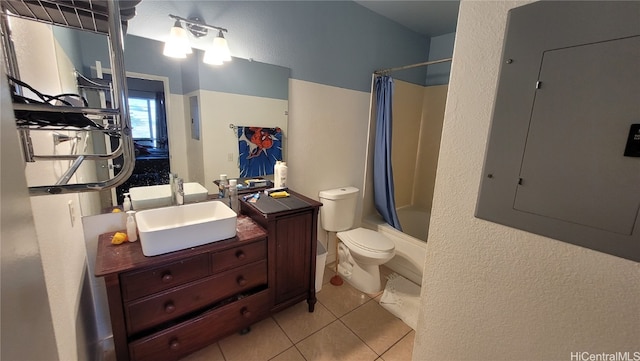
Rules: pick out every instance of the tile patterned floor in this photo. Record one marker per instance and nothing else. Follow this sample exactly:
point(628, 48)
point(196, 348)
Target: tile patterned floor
point(346, 325)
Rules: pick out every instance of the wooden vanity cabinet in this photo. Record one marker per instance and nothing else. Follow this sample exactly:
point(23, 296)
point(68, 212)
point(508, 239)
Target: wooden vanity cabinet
point(292, 234)
point(167, 306)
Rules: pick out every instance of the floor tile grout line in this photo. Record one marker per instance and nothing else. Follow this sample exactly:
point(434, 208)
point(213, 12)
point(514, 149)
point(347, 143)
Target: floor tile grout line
point(300, 351)
point(370, 297)
point(316, 331)
point(320, 329)
point(348, 312)
point(355, 333)
point(282, 329)
point(337, 318)
point(359, 338)
point(295, 344)
point(357, 307)
point(287, 349)
point(327, 308)
point(397, 342)
point(221, 352)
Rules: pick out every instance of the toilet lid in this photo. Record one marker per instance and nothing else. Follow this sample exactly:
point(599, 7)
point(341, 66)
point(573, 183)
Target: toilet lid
point(367, 239)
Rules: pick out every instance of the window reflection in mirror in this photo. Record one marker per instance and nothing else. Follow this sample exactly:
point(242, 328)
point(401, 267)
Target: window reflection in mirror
point(149, 129)
point(242, 92)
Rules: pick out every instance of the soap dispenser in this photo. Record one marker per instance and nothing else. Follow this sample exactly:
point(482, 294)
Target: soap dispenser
point(280, 175)
point(132, 232)
point(126, 204)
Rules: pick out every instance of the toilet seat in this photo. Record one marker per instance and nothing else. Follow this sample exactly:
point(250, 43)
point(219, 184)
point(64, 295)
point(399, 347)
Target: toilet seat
point(367, 239)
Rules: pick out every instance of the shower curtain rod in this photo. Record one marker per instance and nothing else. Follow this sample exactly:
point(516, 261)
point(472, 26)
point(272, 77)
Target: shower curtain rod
point(387, 71)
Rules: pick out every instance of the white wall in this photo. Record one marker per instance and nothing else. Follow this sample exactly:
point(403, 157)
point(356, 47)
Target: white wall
point(495, 293)
point(218, 110)
point(177, 118)
point(327, 141)
point(25, 305)
point(195, 158)
point(56, 217)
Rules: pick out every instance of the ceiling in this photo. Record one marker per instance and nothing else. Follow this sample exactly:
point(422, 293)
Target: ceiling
point(427, 17)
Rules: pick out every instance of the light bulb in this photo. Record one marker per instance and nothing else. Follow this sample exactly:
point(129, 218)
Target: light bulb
point(218, 52)
point(222, 47)
point(177, 46)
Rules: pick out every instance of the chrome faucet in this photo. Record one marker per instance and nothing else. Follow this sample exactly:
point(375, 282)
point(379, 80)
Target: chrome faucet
point(172, 186)
point(179, 191)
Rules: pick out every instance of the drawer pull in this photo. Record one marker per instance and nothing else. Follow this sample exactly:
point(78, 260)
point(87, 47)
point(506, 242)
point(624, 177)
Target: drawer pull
point(169, 307)
point(245, 312)
point(167, 277)
point(240, 255)
point(242, 281)
point(174, 344)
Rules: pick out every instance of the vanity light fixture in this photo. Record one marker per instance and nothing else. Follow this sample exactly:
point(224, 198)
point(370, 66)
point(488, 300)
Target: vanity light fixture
point(177, 46)
point(218, 52)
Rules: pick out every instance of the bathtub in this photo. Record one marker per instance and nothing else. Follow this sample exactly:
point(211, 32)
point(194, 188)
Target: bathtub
point(410, 251)
point(414, 222)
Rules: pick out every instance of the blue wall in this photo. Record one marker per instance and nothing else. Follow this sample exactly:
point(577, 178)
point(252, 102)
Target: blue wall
point(240, 76)
point(441, 48)
point(338, 43)
point(245, 77)
point(141, 56)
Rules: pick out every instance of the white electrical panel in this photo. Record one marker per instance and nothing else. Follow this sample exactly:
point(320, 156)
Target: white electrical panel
point(563, 158)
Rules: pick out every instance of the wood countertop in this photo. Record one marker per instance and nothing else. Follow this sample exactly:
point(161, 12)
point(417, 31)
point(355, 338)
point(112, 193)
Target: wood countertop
point(128, 256)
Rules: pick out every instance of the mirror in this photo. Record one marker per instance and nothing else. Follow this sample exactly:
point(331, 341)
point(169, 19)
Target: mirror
point(203, 103)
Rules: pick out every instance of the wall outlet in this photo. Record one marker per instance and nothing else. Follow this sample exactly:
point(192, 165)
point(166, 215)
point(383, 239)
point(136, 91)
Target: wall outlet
point(230, 157)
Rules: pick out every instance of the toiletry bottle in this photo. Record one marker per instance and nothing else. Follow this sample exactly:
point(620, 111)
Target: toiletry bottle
point(126, 204)
point(132, 232)
point(223, 185)
point(276, 174)
point(234, 203)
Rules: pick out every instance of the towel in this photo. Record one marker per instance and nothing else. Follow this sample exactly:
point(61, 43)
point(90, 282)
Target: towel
point(401, 297)
point(259, 149)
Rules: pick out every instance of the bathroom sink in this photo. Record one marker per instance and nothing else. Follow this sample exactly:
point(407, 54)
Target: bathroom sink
point(194, 192)
point(169, 229)
point(160, 196)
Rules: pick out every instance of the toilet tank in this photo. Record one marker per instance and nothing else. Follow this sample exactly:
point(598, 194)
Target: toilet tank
point(338, 208)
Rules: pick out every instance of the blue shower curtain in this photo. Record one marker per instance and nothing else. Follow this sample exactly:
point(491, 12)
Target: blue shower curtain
point(382, 171)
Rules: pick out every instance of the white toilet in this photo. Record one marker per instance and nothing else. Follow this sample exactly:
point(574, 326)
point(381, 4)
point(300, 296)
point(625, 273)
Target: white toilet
point(361, 251)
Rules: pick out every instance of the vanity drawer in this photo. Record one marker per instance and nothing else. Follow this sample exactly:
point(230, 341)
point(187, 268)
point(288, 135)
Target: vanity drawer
point(238, 256)
point(189, 336)
point(154, 310)
point(142, 283)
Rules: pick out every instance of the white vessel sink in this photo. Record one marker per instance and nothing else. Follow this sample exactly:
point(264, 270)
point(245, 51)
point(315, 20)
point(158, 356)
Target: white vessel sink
point(194, 192)
point(160, 195)
point(168, 229)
